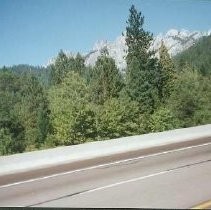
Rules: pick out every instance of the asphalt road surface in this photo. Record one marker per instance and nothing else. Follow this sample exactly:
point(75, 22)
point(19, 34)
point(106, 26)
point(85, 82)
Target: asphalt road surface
point(177, 177)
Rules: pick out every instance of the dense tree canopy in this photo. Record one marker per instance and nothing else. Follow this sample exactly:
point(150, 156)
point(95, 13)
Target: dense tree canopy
point(11, 129)
point(71, 114)
point(190, 101)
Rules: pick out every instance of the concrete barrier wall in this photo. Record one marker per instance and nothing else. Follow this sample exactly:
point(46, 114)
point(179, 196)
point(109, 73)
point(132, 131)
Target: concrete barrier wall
point(40, 159)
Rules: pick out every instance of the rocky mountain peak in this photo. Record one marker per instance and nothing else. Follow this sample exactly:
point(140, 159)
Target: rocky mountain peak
point(175, 40)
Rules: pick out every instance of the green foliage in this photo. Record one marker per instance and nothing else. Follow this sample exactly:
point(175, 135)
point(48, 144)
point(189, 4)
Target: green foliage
point(63, 65)
point(68, 103)
point(32, 111)
point(142, 66)
point(119, 117)
point(88, 75)
point(5, 142)
point(166, 76)
point(71, 114)
point(11, 129)
point(106, 80)
point(79, 66)
point(137, 39)
point(42, 123)
point(59, 69)
point(41, 73)
point(197, 56)
point(140, 88)
point(23, 112)
point(162, 120)
point(191, 99)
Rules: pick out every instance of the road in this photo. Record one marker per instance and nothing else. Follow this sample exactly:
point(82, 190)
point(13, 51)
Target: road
point(176, 178)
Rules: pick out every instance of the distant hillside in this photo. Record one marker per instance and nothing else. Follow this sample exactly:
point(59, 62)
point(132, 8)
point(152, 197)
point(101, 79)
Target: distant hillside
point(197, 56)
point(42, 73)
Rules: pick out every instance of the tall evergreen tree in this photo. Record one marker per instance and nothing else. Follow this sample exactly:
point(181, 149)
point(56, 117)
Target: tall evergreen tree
point(106, 82)
point(33, 111)
point(166, 75)
point(59, 68)
point(64, 64)
point(79, 64)
point(137, 39)
point(12, 130)
point(142, 66)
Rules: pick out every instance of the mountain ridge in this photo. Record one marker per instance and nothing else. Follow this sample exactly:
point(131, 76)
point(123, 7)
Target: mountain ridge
point(175, 40)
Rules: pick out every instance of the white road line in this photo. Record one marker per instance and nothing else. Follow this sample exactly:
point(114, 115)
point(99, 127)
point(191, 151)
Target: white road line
point(122, 182)
point(102, 165)
point(125, 182)
point(131, 180)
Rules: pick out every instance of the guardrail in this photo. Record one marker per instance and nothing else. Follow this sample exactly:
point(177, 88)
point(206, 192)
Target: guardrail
point(68, 154)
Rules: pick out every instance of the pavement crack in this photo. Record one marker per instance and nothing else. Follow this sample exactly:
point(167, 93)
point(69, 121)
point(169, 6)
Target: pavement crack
point(188, 165)
point(58, 198)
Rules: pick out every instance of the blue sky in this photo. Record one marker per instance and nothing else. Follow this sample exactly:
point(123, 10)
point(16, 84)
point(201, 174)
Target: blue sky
point(32, 31)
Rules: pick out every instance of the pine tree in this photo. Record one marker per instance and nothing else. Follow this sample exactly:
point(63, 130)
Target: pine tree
point(137, 39)
point(33, 111)
point(59, 68)
point(79, 64)
point(106, 82)
point(167, 74)
point(64, 64)
point(12, 130)
point(142, 66)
